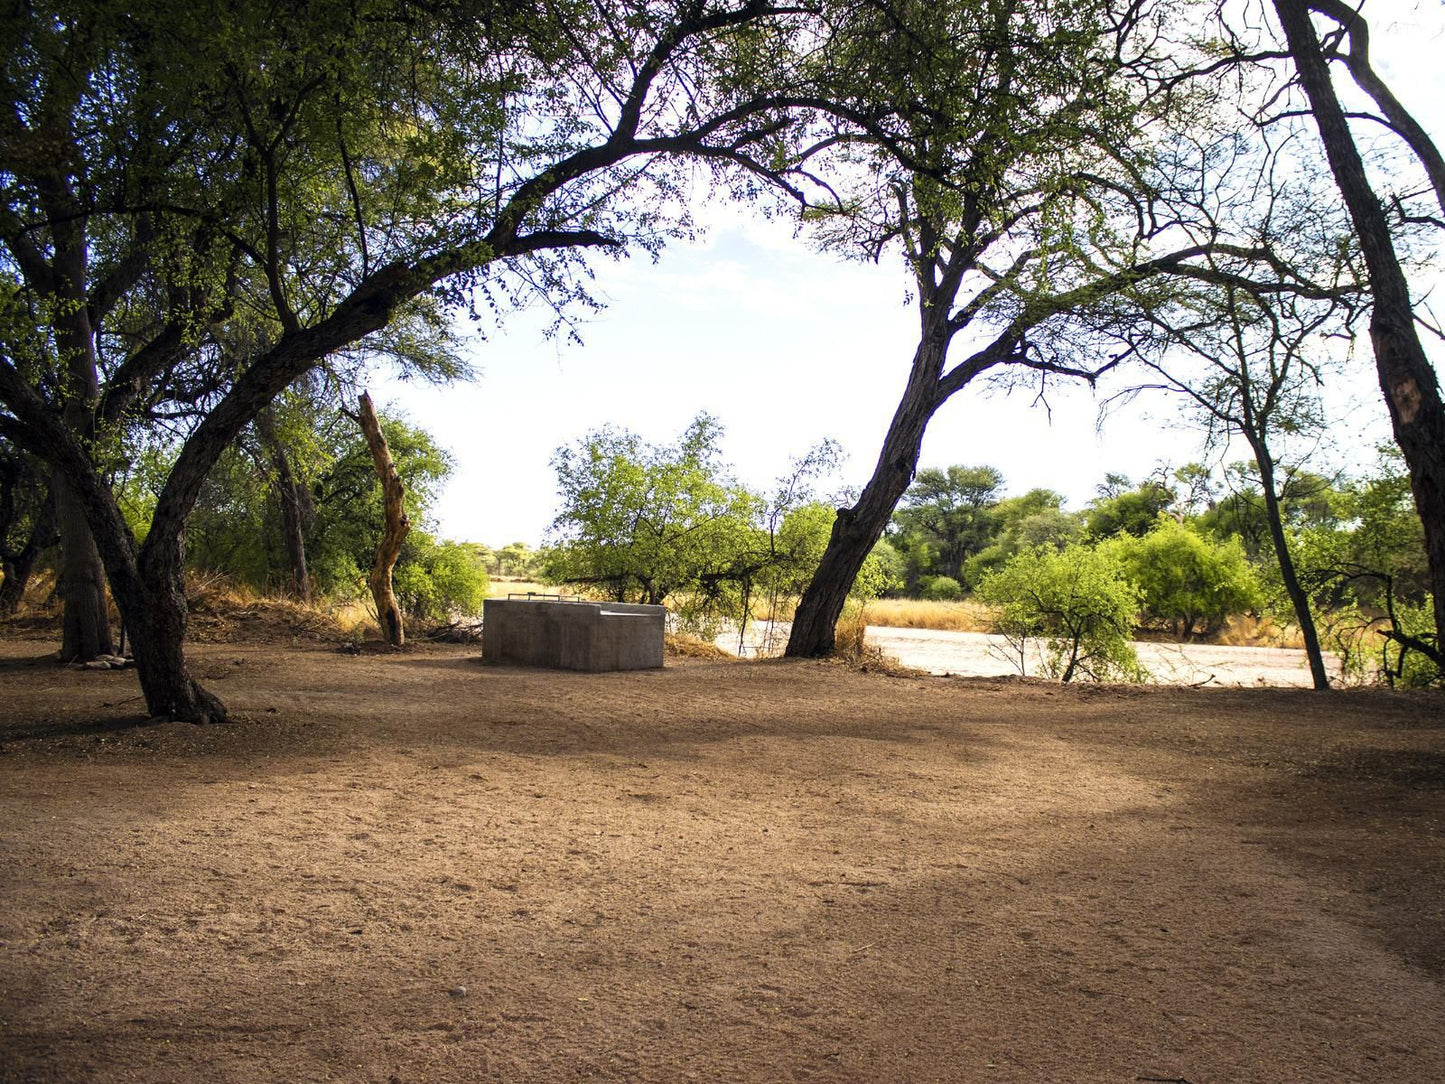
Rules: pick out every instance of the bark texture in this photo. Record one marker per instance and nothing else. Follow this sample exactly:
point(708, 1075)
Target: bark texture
point(296, 507)
point(394, 530)
point(157, 621)
point(85, 619)
point(1409, 383)
point(85, 626)
point(856, 530)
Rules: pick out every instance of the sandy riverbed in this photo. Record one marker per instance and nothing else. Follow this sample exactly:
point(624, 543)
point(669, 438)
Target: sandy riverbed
point(978, 654)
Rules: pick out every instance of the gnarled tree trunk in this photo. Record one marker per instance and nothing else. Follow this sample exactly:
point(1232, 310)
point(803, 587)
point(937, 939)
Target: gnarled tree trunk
point(393, 532)
point(86, 623)
point(157, 618)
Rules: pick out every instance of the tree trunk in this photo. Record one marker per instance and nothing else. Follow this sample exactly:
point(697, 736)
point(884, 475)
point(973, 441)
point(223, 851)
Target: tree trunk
point(85, 623)
point(1407, 379)
point(395, 530)
point(856, 530)
point(157, 624)
point(18, 566)
point(295, 506)
point(1287, 574)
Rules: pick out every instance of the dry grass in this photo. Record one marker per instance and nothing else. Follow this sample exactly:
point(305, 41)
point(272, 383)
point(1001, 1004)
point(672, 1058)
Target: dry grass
point(1243, 630)
point(686, 645)
point(39, 607)
point(913, 613)
point(851, 647)
point(851, 632)
point(222, 610)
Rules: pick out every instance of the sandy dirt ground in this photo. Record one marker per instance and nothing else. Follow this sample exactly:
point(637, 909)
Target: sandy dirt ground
point(412, 868)
point(980, 654)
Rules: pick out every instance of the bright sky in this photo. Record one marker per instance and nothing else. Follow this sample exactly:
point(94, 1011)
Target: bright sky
point(786, 347)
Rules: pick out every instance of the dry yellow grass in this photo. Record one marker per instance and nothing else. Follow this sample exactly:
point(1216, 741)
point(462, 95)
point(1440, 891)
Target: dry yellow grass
point(686, 645)
point(912, 613)
point(217, 602)
point(1243, 630)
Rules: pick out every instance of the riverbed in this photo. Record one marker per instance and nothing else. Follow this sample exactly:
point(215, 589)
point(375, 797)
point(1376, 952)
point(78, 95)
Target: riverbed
point(979, 654)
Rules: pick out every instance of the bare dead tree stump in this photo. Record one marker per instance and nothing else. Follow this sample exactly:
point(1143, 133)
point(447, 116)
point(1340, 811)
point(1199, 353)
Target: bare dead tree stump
point(395, 530)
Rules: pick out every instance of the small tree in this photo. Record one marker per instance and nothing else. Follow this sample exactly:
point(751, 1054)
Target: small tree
point(949, 511)
point(1078, 601)
point(643, 521)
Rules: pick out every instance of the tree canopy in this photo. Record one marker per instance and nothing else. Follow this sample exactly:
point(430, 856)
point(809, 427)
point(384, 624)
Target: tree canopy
point(184, 241)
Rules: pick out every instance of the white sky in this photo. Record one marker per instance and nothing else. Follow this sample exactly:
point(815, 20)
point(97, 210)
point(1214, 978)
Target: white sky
point(787, 347)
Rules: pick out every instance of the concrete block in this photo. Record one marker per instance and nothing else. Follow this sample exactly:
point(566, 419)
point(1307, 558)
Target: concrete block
point(590, 636)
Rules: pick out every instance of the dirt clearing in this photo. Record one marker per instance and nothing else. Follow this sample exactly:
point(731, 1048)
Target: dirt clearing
point(412, 868)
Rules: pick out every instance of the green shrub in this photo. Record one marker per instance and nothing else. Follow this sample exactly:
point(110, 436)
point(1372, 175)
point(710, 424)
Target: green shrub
point(436, 581)
point(940, 589)
point(1078, 601)
point(1187, 578)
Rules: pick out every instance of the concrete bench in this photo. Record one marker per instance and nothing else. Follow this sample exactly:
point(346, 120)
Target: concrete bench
point(590, 636)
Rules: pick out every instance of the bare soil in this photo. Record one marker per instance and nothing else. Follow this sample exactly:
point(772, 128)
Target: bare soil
point(407, 868)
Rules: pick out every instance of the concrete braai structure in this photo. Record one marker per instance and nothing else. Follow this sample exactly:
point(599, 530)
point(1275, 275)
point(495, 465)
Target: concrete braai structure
point(563, 635)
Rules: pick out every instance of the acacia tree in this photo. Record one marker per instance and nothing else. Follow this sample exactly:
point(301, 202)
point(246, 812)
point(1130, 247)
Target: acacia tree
point(1407, 379)
point(318, 172)
point(1262, 373)
point(949, 509)
point(644, 522)
point(1022, 183)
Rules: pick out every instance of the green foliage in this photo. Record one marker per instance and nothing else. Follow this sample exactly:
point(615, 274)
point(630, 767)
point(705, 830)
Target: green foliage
point(349, 509)
point(644, 522)
point(940, 589)
point(517, 560)
point(1078, 601)
point(947, 511)
point(1127, 511)
point(657, 523)
point(435, 580)
point(236, 528)
point(1367, 568)
point(887, 569)
point(1307, 500)
point(138, 484)
point(1036, 518)
point(1188, 578)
